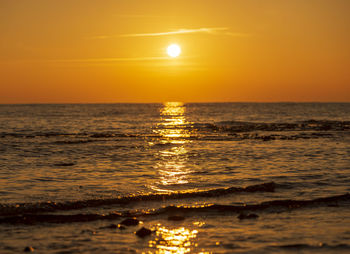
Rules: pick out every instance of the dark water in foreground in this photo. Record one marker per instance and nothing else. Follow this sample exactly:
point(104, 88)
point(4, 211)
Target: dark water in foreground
point(192, 173)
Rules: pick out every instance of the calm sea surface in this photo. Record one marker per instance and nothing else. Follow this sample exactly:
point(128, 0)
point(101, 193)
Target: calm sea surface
point(205, 178)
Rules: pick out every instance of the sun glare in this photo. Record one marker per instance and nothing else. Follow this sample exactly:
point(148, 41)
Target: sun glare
point(174, 50)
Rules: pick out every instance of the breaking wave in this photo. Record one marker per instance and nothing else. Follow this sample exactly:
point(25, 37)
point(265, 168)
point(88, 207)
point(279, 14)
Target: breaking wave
point(80, 204)
point(269, 206)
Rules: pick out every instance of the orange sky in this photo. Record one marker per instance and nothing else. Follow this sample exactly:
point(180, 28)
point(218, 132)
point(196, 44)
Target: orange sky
point(115, 51)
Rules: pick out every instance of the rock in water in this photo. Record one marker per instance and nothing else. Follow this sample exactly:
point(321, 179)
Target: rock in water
point(121, 227)
point(130, 222)
point(248, 216)
point(64, 164)
point(143, 232)
point(28, 249)
point(176, 218)
point(112, 226)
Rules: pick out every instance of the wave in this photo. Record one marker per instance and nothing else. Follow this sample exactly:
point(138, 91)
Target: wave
point(219, 131)
point(319, 247)
point(266, 137)
point(274, 205)
point(239, 130)
point(80, 204)
point(73, 142)
point(271, 206)
point(64, 134)
point(56, 218)
point(308, 125)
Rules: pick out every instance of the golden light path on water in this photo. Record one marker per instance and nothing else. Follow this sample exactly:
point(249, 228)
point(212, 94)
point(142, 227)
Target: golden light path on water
point(177, 240)
point(173, 134)
point(172, 156)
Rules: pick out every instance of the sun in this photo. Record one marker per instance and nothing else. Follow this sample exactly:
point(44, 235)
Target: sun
point(173, 50)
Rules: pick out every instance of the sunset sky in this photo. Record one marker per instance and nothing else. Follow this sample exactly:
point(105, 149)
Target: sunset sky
point(77, 51)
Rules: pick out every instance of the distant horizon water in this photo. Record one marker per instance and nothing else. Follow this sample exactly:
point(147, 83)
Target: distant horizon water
point(162, 102)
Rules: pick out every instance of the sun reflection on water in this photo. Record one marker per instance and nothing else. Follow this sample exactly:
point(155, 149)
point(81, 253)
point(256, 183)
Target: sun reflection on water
point(173, 109)
point(177, 240)
point(173, 125)
point(173, 138)
point(173, 132)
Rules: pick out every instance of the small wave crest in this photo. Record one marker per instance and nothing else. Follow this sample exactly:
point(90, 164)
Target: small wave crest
point(270, 206)
point(239, 130)
point(308, 125)
point(319, 247)
point(276, 205)
point(80, 204)
point(95, 135)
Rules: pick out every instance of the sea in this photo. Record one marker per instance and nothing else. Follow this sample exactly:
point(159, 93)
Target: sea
point(175, 178)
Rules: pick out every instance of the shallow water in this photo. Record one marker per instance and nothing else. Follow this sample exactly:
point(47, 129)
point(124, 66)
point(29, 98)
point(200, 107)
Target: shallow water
point(68, 171)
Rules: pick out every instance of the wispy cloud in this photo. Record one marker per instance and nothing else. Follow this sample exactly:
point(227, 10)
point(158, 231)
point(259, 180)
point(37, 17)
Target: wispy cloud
point(203, 30)
point(179, 31)
point(111, 59)
point(91, 60)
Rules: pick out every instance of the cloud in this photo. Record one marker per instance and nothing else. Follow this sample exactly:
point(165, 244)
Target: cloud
point(204, 30)
point(111, 59)
point(180, 31)
point(91, 60)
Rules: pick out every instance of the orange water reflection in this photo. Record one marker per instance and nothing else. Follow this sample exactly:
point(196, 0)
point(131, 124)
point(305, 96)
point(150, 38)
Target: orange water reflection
point(173, 132)
point(173, 127)
point(178, 240)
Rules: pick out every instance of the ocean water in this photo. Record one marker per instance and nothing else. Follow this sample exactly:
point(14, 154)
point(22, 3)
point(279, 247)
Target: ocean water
point(204, 178)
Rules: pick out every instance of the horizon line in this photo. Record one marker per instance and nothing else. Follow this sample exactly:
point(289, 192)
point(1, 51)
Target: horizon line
point(161, 102)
